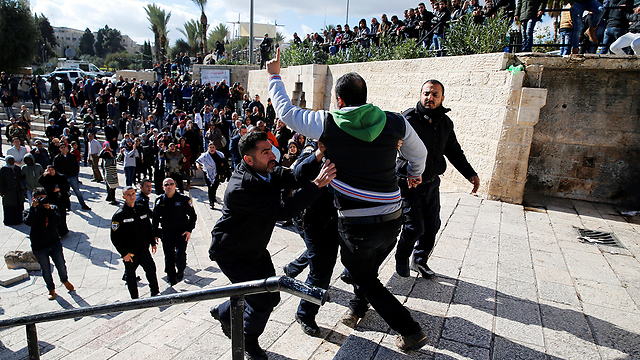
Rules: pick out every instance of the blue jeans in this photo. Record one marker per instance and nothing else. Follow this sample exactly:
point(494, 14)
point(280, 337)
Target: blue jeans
point(565, 40)
point(527, 34)
point(611, 34)
point(130, 175)
point(576, 17)
point(73, 182)
point(55, 252)
point(363, 248)
point(10, 112)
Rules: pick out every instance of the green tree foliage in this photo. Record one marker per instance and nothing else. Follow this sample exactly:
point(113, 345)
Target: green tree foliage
point(18, 34)
point(110, 41)
point(202, 4)
point(218, 33)
point(46, 37)
point(158, 18)
point(86, 43)
point(466, 37)
point(180, 46)
point(192, 32)
point(147, 62)
point(121, 60)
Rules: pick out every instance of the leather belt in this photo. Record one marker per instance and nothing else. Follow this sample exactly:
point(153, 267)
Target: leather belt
point(375, 219)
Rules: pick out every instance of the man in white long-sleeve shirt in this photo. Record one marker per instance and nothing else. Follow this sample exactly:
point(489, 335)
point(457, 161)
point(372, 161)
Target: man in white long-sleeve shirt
point(362, 140)
point(94, 151)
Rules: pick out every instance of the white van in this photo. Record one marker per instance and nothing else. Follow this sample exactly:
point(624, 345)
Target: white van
point(87, 67)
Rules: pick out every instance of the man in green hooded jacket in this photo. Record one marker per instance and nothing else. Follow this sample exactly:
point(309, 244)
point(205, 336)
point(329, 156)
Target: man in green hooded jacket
point(362, 141)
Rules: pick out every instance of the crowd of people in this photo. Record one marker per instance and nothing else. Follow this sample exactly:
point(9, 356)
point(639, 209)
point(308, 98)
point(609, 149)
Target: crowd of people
point(602, 23)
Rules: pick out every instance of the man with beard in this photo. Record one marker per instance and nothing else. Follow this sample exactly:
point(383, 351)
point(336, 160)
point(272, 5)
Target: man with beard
point(252, 205)
point(421, 204)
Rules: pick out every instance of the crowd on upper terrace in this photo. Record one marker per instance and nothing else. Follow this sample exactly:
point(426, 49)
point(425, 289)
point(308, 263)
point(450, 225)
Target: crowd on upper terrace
point(615, 19)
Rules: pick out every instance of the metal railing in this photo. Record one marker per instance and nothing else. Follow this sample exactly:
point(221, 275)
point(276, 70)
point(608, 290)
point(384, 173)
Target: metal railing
point(236, 292)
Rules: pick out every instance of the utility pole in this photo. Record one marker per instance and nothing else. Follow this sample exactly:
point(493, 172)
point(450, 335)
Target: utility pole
point(251, 35)
point(346, 20)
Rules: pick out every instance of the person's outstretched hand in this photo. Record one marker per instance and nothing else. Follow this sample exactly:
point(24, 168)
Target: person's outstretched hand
point(273, 65)
point(327, 173)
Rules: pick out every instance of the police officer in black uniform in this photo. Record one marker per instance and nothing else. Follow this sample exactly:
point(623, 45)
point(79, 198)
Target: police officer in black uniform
point(131, 234)
point(175, 213)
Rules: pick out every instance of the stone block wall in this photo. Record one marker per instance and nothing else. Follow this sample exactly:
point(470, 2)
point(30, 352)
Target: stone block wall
point(492, 113)
point(587, 143)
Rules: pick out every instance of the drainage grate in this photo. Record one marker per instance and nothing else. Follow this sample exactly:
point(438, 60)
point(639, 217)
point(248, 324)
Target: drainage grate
point(599, 237)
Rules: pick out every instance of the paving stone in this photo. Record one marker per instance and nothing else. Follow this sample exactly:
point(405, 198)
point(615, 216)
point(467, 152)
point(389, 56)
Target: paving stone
point(567, 333)
point(560, 293)
point(612, 296)
point(517, 290)
point(505, 348)
point(616, 331)
point(468, 325)
point(519, 320)
point(476, 293)
point(455, 350)
point(359, 345)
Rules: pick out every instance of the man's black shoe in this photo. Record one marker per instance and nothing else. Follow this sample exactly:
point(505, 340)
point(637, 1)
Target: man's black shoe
point(85, 207)
point(172, 280)
point(254, 352)
point(411, 342)
point(402, 267)
point(226, 328)
point(309, 327)
point(179, 276)
point(289, 272)
point(424, 270)
point(346, 277)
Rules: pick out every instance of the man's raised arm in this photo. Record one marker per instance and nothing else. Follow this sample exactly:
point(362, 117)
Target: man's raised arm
point(306, 122)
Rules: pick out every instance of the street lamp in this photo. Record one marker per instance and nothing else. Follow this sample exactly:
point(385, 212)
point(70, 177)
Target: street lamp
point(251, 35)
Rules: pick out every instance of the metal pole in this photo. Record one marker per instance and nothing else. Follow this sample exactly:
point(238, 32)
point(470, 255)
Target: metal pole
point(237, 327)
point(251, 35)
point(346, 20)
point(32, 342)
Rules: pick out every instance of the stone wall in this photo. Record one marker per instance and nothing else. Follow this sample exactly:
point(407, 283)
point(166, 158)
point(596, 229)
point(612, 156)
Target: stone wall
point(149, 76)
point(587, 142)
point(585, 139)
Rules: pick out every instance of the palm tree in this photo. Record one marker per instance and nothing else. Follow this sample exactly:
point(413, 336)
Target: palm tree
point(191, 32)
point(159, 20)
point(152, 15)
point(218, 33)
point(279, 38)
point(202, 4)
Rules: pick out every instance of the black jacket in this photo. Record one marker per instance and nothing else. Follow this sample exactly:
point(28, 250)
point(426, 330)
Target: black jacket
point(435, 129)
point(251, 208)
point(58, 198)
point(44, 226)
point(175, 214)
point(66, 165)
point(131, 230)
point(617, 18)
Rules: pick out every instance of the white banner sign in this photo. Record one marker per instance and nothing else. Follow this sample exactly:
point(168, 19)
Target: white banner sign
point(213, 76)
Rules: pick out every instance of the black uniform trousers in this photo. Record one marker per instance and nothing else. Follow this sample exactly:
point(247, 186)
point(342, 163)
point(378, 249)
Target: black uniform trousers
point(363, 248)
point(322, 252)
point(258, 307)
point(174, 247)
point(212, 188)
point(145, 260)
point(421, 212)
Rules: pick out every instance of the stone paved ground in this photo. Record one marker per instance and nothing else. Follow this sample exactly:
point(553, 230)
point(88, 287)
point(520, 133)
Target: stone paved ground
point(513, 283)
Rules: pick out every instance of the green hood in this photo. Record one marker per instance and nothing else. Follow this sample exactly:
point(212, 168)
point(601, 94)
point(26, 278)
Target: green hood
point(364, 122)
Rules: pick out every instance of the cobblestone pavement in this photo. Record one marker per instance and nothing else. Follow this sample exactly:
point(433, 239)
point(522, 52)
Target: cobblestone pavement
point(513, 283)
